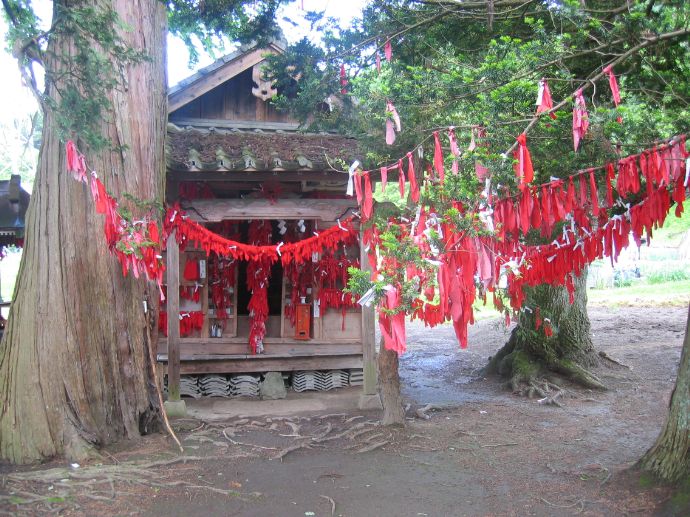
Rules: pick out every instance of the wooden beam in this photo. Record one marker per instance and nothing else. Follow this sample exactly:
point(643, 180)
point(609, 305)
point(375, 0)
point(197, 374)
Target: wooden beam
point(208, 82)
point(368, 331)
point(232, 124)
point(215, 210)
point(266, 364)
point(173, 309)
point(190, 351)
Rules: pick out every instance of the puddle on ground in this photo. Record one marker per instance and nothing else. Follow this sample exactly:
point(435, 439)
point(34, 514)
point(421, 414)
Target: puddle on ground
point(444, 379)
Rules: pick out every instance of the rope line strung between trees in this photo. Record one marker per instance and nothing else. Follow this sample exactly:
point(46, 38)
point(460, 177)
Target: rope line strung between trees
point(343, 232)
point(138, 244)
point(464, 257)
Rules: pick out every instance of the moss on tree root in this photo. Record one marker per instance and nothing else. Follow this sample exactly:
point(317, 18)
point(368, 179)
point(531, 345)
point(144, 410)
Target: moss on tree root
point(530, 356)
point(522, 367)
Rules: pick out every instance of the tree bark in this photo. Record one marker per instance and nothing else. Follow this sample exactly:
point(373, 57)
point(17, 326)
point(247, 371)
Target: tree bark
point(73, 360)
point(530, 354)
point(389, 385)
point(669, 458)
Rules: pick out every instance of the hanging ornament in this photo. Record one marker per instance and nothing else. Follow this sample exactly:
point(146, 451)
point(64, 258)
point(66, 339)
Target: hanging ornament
point(343, 80)
point(610, 176)
point(523, 168)
point(454, 149)
point(368, 206)
point(349, 190)
point(392, 326)
point(473, 144)
point(544, 101)
point(613, 84)
point(76, 163)
point(580, 119)
point(453, 142)
point(392, 122)
point(593, 193)
point(388, 50)
point(358, 186)
point(438, 158)
point(414, 188)
point(401, 179)
point(384, 178)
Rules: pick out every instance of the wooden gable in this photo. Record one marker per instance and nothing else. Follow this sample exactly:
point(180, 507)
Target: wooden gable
point(228, 91)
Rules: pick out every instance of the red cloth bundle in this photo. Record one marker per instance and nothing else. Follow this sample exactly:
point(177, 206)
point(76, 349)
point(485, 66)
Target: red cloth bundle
point(438, 158)
point(523, 168)
point(544, 100)
point(580, 119)
point(191, 270)
point(393, 325)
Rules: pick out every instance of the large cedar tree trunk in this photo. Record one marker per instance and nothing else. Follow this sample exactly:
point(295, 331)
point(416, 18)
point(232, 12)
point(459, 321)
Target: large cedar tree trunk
point(530, 355)
point(669, 458)
point(74, 372)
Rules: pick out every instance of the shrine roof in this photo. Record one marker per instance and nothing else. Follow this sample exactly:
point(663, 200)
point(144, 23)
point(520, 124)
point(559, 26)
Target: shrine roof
point(14, 201)
point(234, 149)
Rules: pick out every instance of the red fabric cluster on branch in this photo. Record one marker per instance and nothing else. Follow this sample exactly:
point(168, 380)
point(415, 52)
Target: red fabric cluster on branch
point(594, 226)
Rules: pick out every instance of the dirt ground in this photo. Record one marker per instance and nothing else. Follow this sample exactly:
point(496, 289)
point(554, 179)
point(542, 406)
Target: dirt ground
point(485, 452)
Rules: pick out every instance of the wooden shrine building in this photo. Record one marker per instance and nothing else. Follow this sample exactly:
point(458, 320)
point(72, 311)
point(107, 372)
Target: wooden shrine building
point(243, 170)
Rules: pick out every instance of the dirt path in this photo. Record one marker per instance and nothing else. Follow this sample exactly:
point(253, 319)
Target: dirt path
point(486, 452)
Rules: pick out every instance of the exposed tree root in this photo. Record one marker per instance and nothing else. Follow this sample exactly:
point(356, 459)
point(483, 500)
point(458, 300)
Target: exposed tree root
point(532, 356)
point(532, 376)
point(300, 445)
point(423, 412)
point(330, 500)
point(65, 486)
point(607, 357)
point(373, 447)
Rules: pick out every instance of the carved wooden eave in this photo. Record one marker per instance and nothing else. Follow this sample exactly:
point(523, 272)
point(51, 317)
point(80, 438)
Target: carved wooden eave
point(234, 151)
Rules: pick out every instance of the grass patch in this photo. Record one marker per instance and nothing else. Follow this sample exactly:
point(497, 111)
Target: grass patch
point(672, 232)
point(667, 294)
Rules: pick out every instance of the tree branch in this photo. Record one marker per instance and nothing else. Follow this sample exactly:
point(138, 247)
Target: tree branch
point(649, 41)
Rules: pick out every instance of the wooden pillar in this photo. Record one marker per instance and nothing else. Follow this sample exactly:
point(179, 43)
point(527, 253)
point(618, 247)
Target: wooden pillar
point(368, 330)
point(173, 308)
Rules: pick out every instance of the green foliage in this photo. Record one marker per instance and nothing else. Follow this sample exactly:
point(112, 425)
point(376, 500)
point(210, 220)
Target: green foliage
point(83, 55)
point(452, 66)
point(449, 68)
point(672, 275)
point(213, 21)
point(19, 148)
